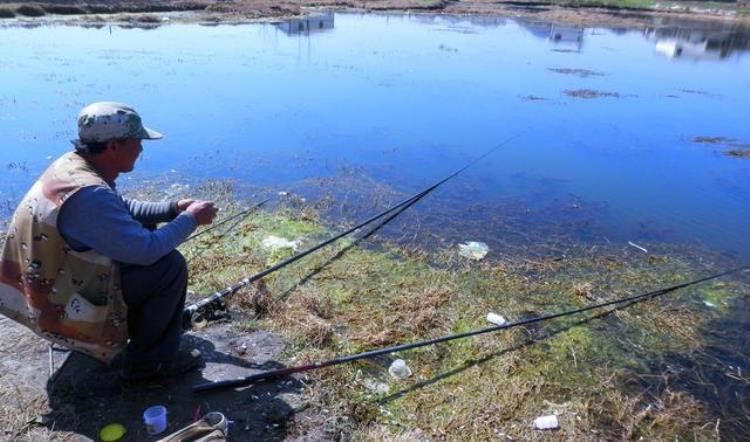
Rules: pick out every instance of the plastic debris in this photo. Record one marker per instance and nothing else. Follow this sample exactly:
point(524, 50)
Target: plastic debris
point(546, 422)
point(399, 369)
point(112, 432)
point(276, 243)
point(155, 419)
point(242, 349)
point(641, 248)
point(375, 386)
point(709, 304)
point(496, 319)
point(473, 250)
point(212, 426)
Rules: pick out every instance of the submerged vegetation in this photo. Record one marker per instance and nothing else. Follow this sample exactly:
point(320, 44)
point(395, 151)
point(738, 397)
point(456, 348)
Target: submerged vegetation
point(590, 93)
point(601, 373)
point(732, 147)
point(739, 153)
point(583, 73)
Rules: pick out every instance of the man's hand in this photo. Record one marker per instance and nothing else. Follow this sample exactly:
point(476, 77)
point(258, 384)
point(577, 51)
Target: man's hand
point(182, 205)
point(203, 211)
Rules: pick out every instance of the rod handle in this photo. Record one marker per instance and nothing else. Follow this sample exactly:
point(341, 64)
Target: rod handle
point(208, 386)
point(240, 382)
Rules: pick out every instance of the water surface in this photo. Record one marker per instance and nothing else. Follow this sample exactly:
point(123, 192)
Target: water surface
point(405, 100)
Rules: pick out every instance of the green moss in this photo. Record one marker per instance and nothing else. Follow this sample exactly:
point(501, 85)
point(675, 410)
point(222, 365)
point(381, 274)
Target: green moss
point(717, 296)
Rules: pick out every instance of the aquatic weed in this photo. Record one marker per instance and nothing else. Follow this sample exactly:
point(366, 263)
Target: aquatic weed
point(590, 93)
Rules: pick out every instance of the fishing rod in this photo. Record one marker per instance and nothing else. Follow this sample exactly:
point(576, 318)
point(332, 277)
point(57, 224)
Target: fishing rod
point(246, 211)
point(217, 296)
point(272, 374)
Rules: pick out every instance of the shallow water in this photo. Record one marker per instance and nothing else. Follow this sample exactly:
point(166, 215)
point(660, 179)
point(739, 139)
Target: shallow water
point(406, 99)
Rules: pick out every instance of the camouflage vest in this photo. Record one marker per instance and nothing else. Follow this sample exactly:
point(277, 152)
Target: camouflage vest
point(70, 298)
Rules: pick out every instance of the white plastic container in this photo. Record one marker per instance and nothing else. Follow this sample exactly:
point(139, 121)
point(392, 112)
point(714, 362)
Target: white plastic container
point(546, 422)
point(155, 419)
point(496, 319)
point(399, 369)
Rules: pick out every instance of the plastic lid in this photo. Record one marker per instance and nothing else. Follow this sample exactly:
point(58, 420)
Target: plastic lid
point(112, 432)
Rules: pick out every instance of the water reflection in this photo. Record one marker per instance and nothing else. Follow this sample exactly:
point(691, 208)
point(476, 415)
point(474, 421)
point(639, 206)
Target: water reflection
point(698, 44)
point(570, 36)
point(316, 22)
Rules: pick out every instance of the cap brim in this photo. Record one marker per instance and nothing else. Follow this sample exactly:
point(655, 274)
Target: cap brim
point(150, 134)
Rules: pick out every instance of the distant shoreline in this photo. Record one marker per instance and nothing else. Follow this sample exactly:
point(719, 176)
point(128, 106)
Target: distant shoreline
point(589, 13)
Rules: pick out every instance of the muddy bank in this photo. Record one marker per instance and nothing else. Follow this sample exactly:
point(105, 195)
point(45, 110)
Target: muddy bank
point(587, 13)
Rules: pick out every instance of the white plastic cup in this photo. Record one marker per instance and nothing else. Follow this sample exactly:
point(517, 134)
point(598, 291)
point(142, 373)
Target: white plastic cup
point(155, 419)
point(399, 369)
point(546, 422)
point(496, 319)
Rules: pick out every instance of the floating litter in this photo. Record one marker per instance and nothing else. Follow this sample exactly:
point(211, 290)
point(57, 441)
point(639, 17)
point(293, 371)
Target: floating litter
point(276, 243)
point(473, 250)
point(112, 432)
point(546, 422)
point(641, 248)
point(496, 319)
point(399, 369)
point(709, 304)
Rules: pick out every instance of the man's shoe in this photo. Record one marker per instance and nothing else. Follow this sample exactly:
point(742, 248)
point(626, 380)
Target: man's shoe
point(183, 362)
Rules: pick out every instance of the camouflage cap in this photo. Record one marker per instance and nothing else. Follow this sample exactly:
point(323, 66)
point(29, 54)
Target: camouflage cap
point(106, 120)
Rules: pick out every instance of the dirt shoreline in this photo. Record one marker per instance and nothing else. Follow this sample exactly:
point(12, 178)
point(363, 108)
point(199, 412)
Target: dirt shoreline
point(602, 13)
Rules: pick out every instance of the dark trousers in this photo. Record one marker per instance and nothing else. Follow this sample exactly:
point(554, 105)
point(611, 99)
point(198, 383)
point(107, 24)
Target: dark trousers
point(155, 296)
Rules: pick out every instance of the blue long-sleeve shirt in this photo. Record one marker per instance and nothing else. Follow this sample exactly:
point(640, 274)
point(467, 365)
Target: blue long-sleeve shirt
point(99, 218)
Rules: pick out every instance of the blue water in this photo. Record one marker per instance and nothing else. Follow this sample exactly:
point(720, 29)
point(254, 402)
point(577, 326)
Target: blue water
point(407, 99)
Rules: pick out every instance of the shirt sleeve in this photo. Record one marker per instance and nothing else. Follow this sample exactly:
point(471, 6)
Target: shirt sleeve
point(149, 213)
point(97, 218)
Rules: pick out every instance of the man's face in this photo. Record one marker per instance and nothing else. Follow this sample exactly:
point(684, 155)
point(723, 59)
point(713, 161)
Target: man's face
point(127, 152)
